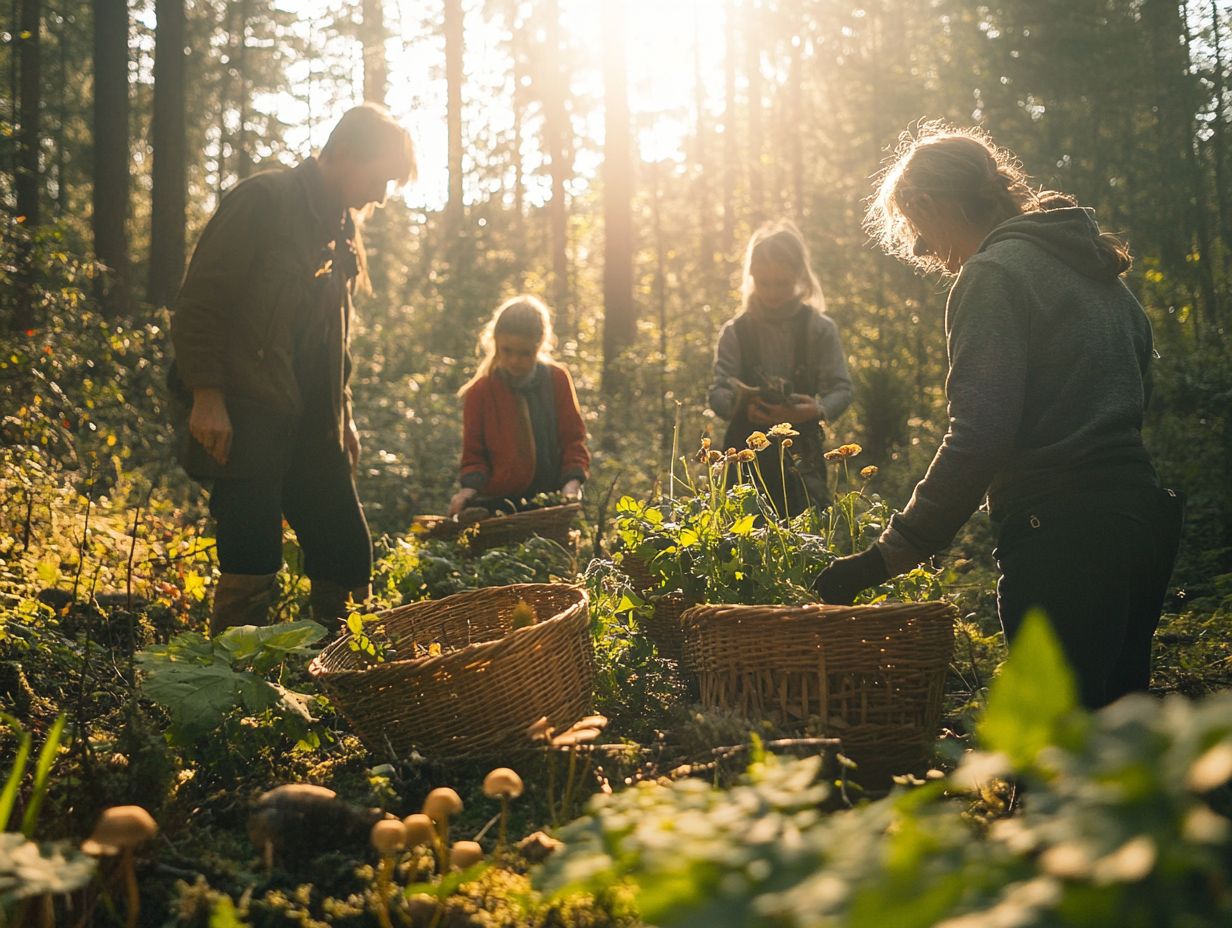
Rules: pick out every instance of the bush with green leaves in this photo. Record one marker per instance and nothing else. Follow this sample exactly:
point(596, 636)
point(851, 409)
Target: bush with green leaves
point(1124, 823)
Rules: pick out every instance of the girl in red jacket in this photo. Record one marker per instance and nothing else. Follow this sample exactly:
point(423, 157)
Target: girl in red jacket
point(522, 430)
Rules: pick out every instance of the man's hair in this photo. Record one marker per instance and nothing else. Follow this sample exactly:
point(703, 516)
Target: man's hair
point(368, 131)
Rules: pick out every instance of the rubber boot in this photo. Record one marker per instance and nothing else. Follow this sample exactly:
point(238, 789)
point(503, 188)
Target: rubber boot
point(328, 601)
point(242, 599)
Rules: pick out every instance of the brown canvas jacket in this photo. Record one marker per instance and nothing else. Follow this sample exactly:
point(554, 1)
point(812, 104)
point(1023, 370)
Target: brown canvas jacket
point(266, 256)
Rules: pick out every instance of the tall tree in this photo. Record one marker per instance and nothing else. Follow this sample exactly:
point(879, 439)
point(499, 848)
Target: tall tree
point(376, 66)
point(729, 124)
point(169, 174)
point(111, 147)
point(554, 89)
point(619, 307)
point(454, 25)
point(29, 172)
point(756, 142)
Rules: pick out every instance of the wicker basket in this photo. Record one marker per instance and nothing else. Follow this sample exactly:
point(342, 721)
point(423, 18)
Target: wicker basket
point(638, 573)
point(875, 675)
point(490, 682)
point(663, 626)
point(557, 523)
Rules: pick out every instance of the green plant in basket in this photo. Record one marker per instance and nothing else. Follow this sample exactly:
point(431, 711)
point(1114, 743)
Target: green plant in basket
point(725, 539)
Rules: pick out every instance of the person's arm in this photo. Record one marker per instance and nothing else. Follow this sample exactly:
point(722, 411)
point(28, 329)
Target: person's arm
point(727, 363)
point(987, 343)
point(833, 382)
point(476, 468)
point(571, 434)
point(221, 267)
point(987, 338)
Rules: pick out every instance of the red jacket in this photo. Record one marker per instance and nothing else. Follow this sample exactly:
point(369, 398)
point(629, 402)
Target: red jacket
point(497, 442)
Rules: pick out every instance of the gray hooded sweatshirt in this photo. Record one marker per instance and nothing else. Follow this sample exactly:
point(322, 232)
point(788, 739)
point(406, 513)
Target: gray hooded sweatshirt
point(1048, 354)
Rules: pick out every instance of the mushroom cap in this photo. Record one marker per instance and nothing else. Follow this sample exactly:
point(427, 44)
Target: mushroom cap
point(539, 846)
point(388, 836)
point(295, 792)
point(574, 737)
point(120, 828)
point(419, 829)
point(502, 783)
point(442, 803)
point(465, 854)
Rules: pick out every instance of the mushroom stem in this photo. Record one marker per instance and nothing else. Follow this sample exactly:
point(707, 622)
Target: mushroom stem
point(131, 893)
point(504, 820)
point(567, 799)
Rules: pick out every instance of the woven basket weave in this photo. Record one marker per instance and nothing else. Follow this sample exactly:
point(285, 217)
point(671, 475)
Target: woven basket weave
point(875, 675)
point(663, 626)
point(557, 523)
point(490, 681)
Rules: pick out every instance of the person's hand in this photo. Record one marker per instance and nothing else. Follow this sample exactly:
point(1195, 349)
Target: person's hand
point(209, 423)
point(572, 490)
point(848, 576)
point(797, 410)
point(460, 499)
point(350, 441)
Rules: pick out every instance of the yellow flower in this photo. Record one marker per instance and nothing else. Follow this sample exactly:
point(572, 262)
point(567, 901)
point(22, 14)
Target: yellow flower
point(787, 443)
point(746, 456)
point(869, 472)
point(782, 430)
point(714, 457)
point(758, 441)
point(706, 443)
point(849, 450)
point(834, 455)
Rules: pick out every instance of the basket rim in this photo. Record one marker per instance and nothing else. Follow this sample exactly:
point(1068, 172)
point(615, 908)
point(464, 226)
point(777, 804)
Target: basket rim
point(318, 670)
point(435, 522)
point(801, 612)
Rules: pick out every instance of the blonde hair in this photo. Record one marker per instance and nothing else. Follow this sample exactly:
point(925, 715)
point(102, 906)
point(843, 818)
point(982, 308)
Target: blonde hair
point(941, 174)
point(523, 315)
point(780, 242)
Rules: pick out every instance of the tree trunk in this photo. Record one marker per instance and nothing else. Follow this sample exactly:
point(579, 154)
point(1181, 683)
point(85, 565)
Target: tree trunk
point(29, 174)
point(376, 67)
point(752, 65)
point(701, 162)
point(1197, 179)
point(111, 154)
point(619, 308)
point(60, 142)
point(557, 130)
point(243, 144)
point(729, 126)
point(453, 80)
point(1219, 127)
point(169, 177)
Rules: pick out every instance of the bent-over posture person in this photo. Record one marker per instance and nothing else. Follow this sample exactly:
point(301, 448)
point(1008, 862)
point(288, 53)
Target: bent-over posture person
point(522, 429)
point(262, 364)
point(1048, 378)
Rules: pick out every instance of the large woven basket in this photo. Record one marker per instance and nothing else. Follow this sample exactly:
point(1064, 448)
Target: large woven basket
point(873, 675)
point(557, 523)
point(488, 683)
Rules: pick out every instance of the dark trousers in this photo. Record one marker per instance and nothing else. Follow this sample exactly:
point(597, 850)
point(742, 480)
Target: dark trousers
point(1097, 564)
point(317, 496)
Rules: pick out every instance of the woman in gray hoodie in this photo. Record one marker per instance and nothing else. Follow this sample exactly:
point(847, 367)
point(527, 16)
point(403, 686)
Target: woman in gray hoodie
point(1048, 378)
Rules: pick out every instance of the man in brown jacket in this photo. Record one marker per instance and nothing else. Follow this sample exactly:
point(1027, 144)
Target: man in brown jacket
point(262, 366)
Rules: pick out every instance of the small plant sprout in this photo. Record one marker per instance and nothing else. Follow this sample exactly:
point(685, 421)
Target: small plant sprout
point(441, 805)
point(120, 830)
point(465, 854)
point(388, 837)
point(503, 784)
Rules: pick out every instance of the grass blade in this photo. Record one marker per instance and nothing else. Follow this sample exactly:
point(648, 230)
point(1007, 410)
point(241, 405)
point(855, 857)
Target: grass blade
point(9, 796)
point(42, 770)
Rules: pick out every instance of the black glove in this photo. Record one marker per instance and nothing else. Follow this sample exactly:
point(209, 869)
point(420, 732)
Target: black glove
point(841, 581)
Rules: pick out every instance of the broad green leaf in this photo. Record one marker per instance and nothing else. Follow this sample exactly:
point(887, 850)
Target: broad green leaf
point(199, 697)
point(1032, 698)
point(267, 646)
point(49, 570)
point(744, 525)
point(29, 869)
